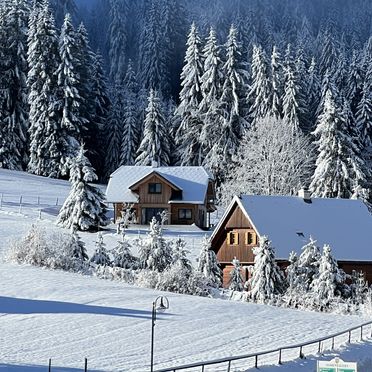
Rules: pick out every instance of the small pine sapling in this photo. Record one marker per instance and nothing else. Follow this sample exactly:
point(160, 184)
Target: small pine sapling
point(100, 256)
point(179, 253)
point(236, 279)
point(122, 255)
point(78, 247)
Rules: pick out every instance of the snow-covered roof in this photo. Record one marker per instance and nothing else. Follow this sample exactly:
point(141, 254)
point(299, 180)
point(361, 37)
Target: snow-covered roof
point(289, 221)
point(193, 181)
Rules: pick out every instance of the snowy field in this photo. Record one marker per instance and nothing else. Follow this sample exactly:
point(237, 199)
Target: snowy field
point(67, 317)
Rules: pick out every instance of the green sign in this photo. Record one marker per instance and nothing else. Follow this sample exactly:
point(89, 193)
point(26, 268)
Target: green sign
point(336, 365)
point(327, 369)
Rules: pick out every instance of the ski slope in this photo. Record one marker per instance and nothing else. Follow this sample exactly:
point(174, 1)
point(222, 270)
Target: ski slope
point(67, 317)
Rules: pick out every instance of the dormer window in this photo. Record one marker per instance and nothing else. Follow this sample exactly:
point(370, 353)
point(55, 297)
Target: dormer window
point(233, 238)
point(250, 238)
point(155, 188)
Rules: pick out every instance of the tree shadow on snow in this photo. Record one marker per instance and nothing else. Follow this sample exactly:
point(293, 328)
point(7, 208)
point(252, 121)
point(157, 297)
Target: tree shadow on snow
point(12, 305)
point(38, 368)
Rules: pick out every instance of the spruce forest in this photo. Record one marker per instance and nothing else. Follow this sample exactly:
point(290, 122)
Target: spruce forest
point(269, 95)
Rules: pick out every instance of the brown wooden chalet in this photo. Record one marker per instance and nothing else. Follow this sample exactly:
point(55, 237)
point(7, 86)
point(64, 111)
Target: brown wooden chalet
point(289, 222)
point(186, 193)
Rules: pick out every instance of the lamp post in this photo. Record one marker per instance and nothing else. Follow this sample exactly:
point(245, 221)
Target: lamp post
point(160, 304)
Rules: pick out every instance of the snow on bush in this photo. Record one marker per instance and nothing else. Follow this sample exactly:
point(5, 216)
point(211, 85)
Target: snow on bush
point(49, 248)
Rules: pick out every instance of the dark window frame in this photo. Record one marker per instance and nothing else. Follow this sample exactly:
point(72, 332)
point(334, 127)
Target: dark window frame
point(153, 188)
point(182, 214)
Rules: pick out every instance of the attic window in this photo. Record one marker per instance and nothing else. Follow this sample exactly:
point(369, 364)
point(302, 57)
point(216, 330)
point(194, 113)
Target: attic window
point(155, 188)
point(250, 238)
point(233, 238)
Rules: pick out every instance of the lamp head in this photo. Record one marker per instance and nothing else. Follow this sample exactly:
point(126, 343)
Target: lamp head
point(163, 305)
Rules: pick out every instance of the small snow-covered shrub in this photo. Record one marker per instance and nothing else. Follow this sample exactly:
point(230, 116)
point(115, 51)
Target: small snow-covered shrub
point(147, 278)
point(113, 273)
point(47, 248)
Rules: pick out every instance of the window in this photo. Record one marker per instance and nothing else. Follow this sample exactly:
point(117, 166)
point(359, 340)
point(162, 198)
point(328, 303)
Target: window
point(185, 214)
point(233, 238)
point(250, 238)
point(154, 188)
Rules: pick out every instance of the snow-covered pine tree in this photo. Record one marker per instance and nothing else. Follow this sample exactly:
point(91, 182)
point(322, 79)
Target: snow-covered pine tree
point(364, 111)
point(13, 97)
point(328, 59)
point(329, 282)
point(312, 93)
point(210, 106)
point(100, 110)
point(61, 8)
point(267, 279)
point(188, 132)
point(276, 84)
point(70, 101)
point(292, 272)
point(46, 140)
point(338, 167)
point(156, 254)
point(117, 39)
point(113, 130)
point(179, 254)
point(208, 264)
point(236, 279)
point(78, 246)
point(234, 91)
point(155, 143)
point(100, 256)
point(122, 256)
point(358, 287)
point(84, 208)
point(131, 129)
point(355, 81)
point(259, 92)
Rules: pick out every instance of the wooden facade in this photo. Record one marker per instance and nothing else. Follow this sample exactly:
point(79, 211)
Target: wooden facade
point(169, 199)
point(227, 247)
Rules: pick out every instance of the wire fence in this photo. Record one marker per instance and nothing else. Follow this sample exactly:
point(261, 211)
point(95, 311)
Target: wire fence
point(277, 355)
point(29, 205)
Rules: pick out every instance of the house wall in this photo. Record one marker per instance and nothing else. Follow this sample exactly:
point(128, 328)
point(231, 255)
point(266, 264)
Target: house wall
point(238, 222)
point(150, 199)
point(365, 267)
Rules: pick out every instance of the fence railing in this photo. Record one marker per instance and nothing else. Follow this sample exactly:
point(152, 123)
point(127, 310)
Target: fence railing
point(278, 351)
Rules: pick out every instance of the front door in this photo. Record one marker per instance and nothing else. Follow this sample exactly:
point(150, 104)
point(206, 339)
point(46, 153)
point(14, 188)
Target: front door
point(149, 213)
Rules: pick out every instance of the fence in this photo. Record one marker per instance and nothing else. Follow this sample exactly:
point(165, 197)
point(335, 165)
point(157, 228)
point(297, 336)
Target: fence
point(201, 366)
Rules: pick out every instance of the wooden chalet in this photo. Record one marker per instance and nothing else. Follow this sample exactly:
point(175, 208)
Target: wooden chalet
point(187, 194)
point(289, 222)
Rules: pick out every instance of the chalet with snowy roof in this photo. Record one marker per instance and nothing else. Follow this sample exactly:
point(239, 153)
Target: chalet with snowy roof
point(187, 194)
point(289, 222)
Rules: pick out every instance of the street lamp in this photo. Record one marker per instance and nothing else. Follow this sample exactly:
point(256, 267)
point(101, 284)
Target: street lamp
point(160, 304)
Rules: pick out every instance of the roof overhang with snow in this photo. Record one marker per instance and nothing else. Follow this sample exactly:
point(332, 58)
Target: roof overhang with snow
point(192, 181)
point(289, 222)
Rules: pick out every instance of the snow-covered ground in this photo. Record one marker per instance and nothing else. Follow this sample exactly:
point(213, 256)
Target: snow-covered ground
point(67, 317)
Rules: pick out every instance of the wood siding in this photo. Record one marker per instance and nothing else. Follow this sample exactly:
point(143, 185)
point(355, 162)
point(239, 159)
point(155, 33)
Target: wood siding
point(239, 223)
point(150, 199)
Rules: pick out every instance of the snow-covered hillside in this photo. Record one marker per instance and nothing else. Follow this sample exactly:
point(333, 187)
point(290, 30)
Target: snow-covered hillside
point(67, 317)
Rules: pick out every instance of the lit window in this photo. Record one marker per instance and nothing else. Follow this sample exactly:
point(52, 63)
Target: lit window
point(250, 238)
point(233, 238)
point(154, 188)
point(185, 214)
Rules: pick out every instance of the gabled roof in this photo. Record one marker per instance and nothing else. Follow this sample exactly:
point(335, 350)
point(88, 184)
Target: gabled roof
point(193, 181)
point(289, 221)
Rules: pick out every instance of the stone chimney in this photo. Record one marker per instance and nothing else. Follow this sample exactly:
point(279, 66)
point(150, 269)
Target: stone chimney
point(305, 194)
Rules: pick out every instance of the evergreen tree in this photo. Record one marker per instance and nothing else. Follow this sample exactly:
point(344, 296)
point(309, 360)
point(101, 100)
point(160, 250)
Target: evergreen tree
point(179, 253)
point(100, 256)
point(46, 139)
point(84, 208)
point(100, 111)
point(339, 170)
point(155, 144)
point(156, 255)
point(122, 255)
point(329, 282)
point(13, 81)
point(117, 39)
point(354, 81)
point(208, 264)
point(114, 130)
point(63, 7)
point(188, 132)
point(329, 54)
point(131, 130)
point(70, 100)
point(276, 84)
point(259, 93)
point(236, 279)
point(267, 280)
point(312, 93)
point(78, 247)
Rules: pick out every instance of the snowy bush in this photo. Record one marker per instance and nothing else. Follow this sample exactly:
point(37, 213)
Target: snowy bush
point(122, 256)
point(236, 280)
point(113, 273)
point(49, 248)
point(100, 256)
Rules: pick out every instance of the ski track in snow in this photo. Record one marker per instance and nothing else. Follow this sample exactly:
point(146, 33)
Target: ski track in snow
point(52, 314)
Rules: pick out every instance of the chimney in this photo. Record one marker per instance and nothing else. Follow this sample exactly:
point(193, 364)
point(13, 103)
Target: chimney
point(154, 164)
point(305, 194)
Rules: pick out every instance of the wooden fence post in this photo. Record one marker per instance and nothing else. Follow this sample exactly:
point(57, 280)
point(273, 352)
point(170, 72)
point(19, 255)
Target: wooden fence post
point(333, 343)
point(361, 333)
point(1, 200)
point(280, 357)
point(86, 365)
point(349, 337)
point(229, 366)
point(50, 365)
point(319, 347)
point(20, 204)
point(301, 353)
point(256, 361)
